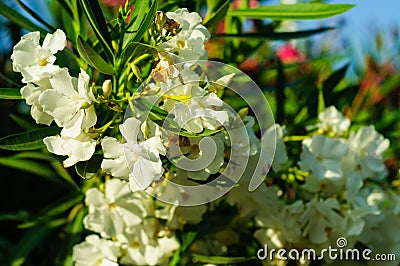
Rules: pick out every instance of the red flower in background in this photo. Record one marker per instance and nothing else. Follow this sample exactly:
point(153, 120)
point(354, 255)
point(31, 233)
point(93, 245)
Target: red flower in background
point(114, 3)
point(288, 53)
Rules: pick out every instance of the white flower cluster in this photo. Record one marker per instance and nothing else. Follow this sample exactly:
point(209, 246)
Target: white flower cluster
point(131, 234)
point(340, 196)
point(56, 96)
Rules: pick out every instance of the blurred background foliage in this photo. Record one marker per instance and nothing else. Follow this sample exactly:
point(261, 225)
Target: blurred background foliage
point(300, 73)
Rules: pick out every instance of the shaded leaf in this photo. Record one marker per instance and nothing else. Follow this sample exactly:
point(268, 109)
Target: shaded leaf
point(32, 239)
point(24, 122)
point(30, 167)
point(30, 140)
point(97, 21)
point(293, 11)
point(88, 169)
point(54, 210)
point(93, 58)
point(10, 94)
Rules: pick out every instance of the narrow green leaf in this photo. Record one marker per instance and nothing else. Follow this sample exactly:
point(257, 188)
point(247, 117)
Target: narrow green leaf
point(294, 11)
point(30, 140)
point(37, 155)
point(331, 82)
point(35, 16)
point(30, 167)
point(145, 25)
point(18, 19)
point(214, 16)
point(24, 122)
point(19, 215)
point(31, 239)
point(221, 260)
point(64, 174)
point(138, 14)
point(54, 210)
point(97, 21)
point(89, 169)
point(10, 94)
point(73, 235)
point(93, 58)
point(275, 35)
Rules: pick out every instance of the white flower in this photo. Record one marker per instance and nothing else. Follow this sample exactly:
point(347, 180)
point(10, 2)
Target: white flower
point(70, 101)
point(323, 157)
point(77, 148)
point(95, 251)
point(140, 162)
point(366, 149)
point(333, 121)
point(146, 245)
point(31, 94)
point(115, 210)
point(320, 218)
point(34, 61)
point(178, 216)
point(188, 44)
point(279, 225)
point(199, 114)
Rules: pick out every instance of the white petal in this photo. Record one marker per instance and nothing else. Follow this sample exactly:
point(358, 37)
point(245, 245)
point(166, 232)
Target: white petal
point(54, 145)
point(55, 42)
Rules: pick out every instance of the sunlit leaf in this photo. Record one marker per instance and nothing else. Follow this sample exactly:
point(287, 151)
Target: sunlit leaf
point(275, 35)
point(19, 19)
point(93, 58)
point(293, 11)
point(97, 21)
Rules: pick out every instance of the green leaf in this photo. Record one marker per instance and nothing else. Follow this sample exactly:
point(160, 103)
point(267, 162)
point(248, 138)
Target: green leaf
point(294, 11)
point(144, 26)
point(30, 140)
point(93, 58)
point(88, 169)
point(138, 14)
point(97, 21)
point(221, 260)
point(10, 94)
point(30, 167)
point(73, 235)
point(275, 35)
point(19, 215)
point(24, 122)
point(64, 174)
point(18, 19)
point(35, 16)
point(32, 239)
point(216, 12)
point(331, 82)
point(54, 210)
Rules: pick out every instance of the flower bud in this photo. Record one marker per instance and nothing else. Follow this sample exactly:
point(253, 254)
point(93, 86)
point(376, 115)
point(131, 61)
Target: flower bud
point(160, 20)
point(107, 88)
